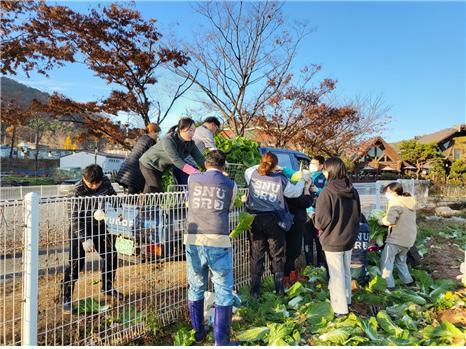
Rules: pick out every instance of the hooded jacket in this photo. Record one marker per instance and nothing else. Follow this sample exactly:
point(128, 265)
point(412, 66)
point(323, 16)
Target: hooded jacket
point(338, 211)
point(401, 219)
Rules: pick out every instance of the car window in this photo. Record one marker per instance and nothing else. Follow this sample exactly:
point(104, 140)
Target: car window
point(284, 160)
point(304, 161)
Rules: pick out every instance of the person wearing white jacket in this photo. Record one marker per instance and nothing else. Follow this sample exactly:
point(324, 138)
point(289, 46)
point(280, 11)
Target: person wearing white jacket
point(401, 220)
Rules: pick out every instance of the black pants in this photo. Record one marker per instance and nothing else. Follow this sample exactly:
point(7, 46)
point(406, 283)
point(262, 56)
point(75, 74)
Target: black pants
point(104, 244)
point(153, 179)
point(133, 190)
point(310, 240)
point(267, 236)
point(179, 177)
point(294, 245)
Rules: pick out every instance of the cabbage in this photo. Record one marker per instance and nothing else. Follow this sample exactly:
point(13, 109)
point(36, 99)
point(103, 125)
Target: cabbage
point(89, 306)
point(370, 328)
point(423, 280)
point(337, 336)
point(387, 324)
point(446, 333)
point(184, 337)
point(245, 221)
point(377, 285)
point(253, 334)
point(406, 295)
point(295, 302)
point(377, 215)
point(294, 290)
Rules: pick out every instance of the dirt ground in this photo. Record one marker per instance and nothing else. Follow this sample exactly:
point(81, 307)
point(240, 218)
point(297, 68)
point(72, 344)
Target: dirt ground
point(144, 284)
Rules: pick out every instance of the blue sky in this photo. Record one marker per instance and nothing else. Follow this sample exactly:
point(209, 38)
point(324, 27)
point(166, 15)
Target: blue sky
point(411, 53)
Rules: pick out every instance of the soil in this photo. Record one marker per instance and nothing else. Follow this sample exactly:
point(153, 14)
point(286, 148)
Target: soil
point(148, 284)
point(455, 316)
point(442, 259)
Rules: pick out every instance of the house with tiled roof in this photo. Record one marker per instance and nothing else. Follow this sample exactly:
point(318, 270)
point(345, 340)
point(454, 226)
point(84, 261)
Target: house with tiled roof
point(451, 142)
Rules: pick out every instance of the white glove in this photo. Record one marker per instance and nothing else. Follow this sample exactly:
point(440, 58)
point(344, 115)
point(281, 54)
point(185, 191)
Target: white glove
point(307, 176)
point(88, 246)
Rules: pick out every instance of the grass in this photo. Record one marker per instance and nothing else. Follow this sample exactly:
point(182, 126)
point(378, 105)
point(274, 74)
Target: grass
point(30, 180)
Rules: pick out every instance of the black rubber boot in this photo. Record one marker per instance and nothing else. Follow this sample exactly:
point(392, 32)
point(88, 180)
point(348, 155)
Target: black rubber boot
point(279, 287)
point(255, 286)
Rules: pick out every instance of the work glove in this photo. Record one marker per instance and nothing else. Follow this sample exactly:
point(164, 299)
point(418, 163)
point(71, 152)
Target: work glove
point(88, 246)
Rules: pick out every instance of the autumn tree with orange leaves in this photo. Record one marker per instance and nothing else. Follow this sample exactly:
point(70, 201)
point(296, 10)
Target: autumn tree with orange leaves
point(289, 111)
point(339, 130)
point(113, 41)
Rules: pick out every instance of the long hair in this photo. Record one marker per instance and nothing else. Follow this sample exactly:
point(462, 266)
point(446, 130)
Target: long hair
point(396, 188)
point(152, 128)
point(268, 162)
point(183, 124)
point(336, 169)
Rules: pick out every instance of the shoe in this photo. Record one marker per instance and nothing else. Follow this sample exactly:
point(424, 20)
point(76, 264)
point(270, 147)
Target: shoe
point(255, 286)
point(115, 294)
point(412, 283)
point(222, 325)
point(196, 313)
point(337, 315)
point(279, 288)
point(294, 276)
point(67, 305)
point(391, 288)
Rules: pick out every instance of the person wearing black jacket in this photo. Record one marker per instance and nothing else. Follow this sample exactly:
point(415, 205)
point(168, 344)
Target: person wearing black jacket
point(338, 212)
point(129, 176)
point(294, 238)
point(88, 234)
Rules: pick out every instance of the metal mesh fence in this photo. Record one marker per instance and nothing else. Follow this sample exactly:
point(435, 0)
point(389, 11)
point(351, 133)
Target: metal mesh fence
point(17, 193)
point(11, 267)
point(138, 251)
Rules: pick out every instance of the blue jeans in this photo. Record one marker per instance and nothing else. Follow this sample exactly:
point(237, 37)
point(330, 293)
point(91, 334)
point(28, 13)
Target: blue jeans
point(199, 259)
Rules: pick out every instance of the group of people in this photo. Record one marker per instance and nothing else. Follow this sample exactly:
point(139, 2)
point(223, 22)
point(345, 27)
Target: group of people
point(322, 209)
point(181, 150)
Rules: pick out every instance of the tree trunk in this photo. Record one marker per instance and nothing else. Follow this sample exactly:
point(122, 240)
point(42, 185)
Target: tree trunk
point(36, 156)
point(13, 138)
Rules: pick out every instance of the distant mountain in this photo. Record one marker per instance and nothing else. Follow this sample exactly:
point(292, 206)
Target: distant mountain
point(22, 94)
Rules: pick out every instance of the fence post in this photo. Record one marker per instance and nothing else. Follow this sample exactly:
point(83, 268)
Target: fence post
point(377, 195)
point(31, 269)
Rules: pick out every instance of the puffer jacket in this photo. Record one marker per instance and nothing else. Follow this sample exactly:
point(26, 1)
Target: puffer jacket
point(130, 175)
point(401, 219)
point(81, 211)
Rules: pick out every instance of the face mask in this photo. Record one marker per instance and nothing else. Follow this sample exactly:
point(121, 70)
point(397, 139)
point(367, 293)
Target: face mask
point(312, 168)
point(388, 196)
point(325, 174)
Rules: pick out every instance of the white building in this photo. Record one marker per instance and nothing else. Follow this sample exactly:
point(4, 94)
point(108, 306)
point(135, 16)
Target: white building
point(5, 151)
point(109, 162)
